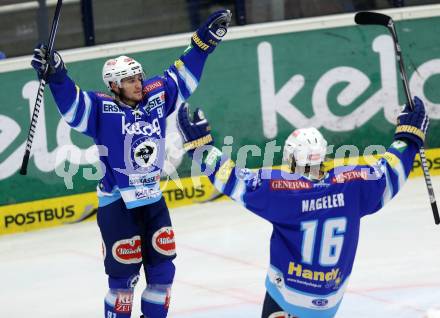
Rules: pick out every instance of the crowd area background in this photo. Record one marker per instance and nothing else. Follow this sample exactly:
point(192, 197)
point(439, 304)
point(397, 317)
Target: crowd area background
point(88, 22)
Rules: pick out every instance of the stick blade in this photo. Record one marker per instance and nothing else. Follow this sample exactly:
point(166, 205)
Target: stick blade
point(375, 18)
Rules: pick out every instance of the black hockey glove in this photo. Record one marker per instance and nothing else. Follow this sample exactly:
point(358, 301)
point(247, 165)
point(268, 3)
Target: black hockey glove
point(212, 31)
point(56, 66)
point(195, 131)
point(412, 124)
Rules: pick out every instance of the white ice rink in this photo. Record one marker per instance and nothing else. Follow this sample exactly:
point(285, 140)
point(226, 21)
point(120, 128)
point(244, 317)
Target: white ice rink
point(221, 264)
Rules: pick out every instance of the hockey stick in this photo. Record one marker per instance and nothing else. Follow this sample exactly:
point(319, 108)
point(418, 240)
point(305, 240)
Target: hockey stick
point(40, 94)
point(375, 18)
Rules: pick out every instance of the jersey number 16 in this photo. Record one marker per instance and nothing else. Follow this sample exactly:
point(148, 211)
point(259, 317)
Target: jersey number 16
point(332, 239)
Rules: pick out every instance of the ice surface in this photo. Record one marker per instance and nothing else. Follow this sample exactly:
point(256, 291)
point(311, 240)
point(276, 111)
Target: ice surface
point(221, 265)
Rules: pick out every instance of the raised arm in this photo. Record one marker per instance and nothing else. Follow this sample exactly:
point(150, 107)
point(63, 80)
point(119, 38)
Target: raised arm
point(182, 78)
point(75, 106)
point(240, 184)
point(387, 177)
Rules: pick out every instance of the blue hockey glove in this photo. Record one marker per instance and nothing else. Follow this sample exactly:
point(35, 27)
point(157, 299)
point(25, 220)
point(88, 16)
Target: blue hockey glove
point(195, 131)
point(412, 124)
point(212, 31)
point(56, 65)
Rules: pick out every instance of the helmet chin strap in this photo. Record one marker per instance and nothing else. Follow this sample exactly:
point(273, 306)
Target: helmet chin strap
point(314, 173)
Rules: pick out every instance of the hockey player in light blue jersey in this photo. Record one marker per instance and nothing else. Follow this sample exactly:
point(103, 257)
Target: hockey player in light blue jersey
point(130, 126)
point(315, 214)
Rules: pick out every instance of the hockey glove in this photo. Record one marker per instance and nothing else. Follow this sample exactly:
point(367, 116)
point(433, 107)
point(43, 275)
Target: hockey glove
point(56, 66)
point(412, 124)
point(212, 31)
point(195, 131)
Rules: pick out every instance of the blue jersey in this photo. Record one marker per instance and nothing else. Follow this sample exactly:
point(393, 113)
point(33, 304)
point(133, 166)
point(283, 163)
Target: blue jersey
point(315, 224)
point(131, 140)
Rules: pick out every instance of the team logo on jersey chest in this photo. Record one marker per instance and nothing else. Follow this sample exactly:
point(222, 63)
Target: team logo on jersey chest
point(144, 154)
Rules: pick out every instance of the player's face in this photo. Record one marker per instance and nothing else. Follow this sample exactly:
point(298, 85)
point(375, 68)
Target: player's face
point(131, 89)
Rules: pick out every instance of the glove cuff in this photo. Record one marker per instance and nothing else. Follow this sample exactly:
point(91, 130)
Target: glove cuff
point(206, 45)
point(408, 129)
point(58, 76)
point(205, 140)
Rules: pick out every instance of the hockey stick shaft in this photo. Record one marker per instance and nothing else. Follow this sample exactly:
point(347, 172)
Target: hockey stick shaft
point(41, 87)
point(382, 19)
point(409, 99)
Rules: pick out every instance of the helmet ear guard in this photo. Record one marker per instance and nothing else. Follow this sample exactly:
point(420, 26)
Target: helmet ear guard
point(305, 151)
point(115, 70)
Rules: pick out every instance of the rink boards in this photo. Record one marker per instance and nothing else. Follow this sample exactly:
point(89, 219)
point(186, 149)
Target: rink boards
point(186, 191)
point(323, 72)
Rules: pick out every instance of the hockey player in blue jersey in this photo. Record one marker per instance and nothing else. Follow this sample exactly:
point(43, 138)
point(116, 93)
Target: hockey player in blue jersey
point(130, 125)
point(315, 214)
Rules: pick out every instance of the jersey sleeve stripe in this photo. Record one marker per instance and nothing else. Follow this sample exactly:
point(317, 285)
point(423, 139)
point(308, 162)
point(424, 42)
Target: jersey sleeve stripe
point(395, 173)
point(69, 116)
point(388, 191)
point(401, 176)
point(219, 185)
point(239, 191)
point(82, 127)
point(181, 86)
point(188, 78)
point(180, 99)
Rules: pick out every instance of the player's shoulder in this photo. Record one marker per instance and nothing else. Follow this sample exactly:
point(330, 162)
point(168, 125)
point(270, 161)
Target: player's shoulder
point(287, 182)
point(349, 174)
point(106, 103)
point(102, 96)
point(153, 84)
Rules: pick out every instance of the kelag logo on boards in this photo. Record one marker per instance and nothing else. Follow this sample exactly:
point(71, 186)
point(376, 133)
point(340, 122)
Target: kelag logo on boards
point(39, 216)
